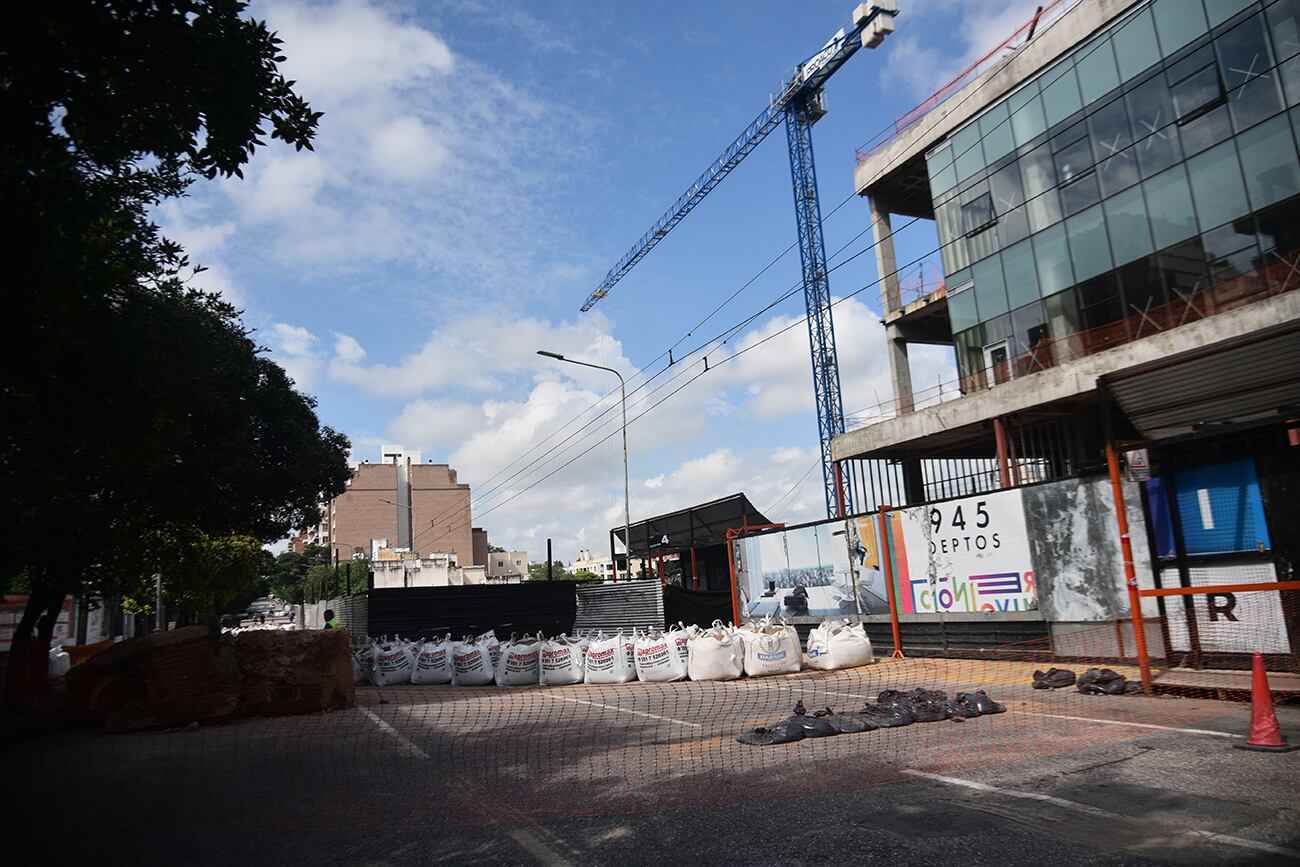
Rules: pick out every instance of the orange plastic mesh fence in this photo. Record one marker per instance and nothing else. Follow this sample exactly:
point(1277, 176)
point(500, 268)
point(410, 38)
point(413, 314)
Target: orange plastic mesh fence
point(437, 756)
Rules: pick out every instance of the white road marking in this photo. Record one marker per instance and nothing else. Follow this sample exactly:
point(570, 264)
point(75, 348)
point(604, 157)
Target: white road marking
point(538, 849)
point(625, 710)
point(408, 747)
point(529, 842)
point(1226, 839)
point(1116, 722)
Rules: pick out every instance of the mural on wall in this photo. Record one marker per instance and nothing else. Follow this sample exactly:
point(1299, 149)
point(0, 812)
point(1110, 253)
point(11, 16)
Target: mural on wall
point(967, 555)
point(821, 570)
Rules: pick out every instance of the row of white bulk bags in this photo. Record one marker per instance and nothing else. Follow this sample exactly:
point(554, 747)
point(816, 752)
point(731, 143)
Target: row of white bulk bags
point(657, 659)
point(838, 644)
point(473, 662)
point(393, 662)
point(517, 665)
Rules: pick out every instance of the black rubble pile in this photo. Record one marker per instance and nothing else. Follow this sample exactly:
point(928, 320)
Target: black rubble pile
point(1094, 681)
point(891, 709)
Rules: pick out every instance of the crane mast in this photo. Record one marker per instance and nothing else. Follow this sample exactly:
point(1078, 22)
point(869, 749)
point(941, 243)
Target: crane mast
point(798, 101)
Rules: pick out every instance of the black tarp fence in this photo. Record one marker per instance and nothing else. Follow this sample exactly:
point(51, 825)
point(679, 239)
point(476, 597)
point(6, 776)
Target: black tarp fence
point(696, 607)
point(427, 612)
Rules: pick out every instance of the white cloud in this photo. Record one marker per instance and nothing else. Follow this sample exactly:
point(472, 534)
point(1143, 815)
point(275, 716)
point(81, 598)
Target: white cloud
point(347, 349)
point(406, 149)
point(294, 348)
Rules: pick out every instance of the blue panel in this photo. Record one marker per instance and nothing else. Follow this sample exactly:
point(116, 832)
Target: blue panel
point(1220, 510)
point(1158, 514)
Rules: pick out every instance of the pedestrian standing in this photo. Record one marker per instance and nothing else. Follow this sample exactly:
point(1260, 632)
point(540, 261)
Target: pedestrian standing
point(332, 622)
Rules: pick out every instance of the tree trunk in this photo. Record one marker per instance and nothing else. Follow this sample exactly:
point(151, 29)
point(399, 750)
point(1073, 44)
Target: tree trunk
point(21, 648)
point(39, 663)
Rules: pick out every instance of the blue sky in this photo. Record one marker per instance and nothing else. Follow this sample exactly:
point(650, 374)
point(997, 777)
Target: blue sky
point(479, 167)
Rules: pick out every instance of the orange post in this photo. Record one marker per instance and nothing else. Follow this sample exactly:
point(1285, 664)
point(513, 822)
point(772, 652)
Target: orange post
point(887, 560)
point(1004, 452)
point(1130, 575)
point(731, 568)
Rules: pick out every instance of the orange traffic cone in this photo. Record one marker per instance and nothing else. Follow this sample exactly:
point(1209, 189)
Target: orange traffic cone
point(1265, 734)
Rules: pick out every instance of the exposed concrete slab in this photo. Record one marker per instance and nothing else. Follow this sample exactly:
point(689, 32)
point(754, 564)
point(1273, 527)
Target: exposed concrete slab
point(1075, 26)
point(1068, 381)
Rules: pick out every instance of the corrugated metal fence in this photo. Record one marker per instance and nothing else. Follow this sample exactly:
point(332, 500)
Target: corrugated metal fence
point(353, 611)
point(626, 605)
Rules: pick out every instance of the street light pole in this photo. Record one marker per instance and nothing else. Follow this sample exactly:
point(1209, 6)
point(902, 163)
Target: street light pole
point(622, 390)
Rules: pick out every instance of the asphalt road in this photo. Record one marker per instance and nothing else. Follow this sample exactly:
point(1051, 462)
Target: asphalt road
point(651, 774)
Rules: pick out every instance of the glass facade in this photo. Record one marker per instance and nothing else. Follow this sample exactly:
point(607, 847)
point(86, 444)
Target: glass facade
point(1122, 189)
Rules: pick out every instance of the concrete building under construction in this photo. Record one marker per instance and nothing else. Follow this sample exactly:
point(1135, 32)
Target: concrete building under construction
point(1116, 194)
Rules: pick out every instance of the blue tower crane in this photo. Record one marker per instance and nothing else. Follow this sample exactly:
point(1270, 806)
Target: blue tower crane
point(799, 102)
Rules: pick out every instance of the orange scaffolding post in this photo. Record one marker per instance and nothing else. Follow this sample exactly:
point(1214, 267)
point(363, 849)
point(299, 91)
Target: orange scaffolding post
point(1130, 575)
point(1004, 457)
point(887, 561)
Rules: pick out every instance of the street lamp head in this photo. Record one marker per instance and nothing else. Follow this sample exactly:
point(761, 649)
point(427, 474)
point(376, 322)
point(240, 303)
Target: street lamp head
point(557, 356)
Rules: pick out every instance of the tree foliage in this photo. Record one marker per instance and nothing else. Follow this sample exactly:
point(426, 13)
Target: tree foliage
point(138, 411)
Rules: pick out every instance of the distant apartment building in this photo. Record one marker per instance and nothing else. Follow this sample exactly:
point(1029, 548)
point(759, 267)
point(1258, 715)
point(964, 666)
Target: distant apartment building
point(507, 566)
point(410, 505)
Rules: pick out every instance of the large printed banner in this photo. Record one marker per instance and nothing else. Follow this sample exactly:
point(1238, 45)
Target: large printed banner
point(970, 554)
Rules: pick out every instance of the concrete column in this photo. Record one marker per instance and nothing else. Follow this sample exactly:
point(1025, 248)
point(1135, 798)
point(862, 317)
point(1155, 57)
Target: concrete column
point(899, 369)
point(887, 270)
point(886, 264)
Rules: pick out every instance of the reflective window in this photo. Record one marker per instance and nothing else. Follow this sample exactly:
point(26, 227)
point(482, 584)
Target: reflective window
point(1097, 73)
point(1008, 204)
point(1100, 304)
point(1268, 158)
point(1028, 330)
point(953, 251)
point(1019, 274)
point(1221, 10)
point(977, 214)
point(990, 293)
point(1089, 249)
point(1195, 91)
point(1135, 45)
point(1254, 101)
point(1284, 26)
point(1080, 193)
point(1027, 120)
point(1230, 250)
point(1052, 257)
point(1116, 162)
point(1144, 294)
point(967, 154)
point(1182, 268)
point(1063, 317)
point(961, 310)
point(1169, 207)
point(1205, 131)
point(1217, 188)
point(995, 129)
point(1178, 22)
point(1279, 233)
point(1151, 112)
point(1126, 221)
point(1060, 94)
point(1073, 160)
point(942, 179)
point(1044, 210)
point(1244, 52)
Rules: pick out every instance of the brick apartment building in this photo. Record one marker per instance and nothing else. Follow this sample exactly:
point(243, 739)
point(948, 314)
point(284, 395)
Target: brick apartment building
point(402, 503)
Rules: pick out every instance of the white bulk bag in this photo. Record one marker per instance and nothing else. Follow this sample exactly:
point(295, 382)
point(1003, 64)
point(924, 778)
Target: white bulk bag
point(717, 654)
point(471, 662)
point(493, 646)
point(837, 644)
point(433, 662)
point(656, 658)
point(607, 660)
point(393, 663)
point(681, 636)
point(772, 649)
point(518, 663)
point(60, 662)
point(363, 663)
point(561, 661)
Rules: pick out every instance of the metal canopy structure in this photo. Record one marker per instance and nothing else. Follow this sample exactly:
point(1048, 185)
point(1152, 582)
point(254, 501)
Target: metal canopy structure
point(694, 527)
point(1250, 379)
